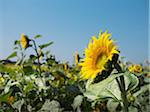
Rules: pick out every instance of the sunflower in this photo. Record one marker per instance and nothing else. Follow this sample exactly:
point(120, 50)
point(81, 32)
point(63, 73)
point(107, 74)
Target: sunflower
point(131, 68)
point(100, 50)
point(137, 68)
point(24, 41)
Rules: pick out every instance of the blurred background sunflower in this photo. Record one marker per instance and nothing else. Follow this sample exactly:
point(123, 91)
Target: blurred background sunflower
point(24, 41)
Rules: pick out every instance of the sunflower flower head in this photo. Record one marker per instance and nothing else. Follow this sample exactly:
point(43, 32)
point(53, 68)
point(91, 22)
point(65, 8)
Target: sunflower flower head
point(137, 68)
point(24, 41)
point(100, 50)
point(131, 68)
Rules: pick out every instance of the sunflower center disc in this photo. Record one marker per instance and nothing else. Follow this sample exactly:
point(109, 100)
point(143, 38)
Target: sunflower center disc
point(101, 60)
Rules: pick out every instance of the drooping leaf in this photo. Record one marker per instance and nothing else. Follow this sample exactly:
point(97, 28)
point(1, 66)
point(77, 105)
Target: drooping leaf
point(103, 90)
point(108, 88)
point(131, 81)
point(45, 45)
point(14, 54)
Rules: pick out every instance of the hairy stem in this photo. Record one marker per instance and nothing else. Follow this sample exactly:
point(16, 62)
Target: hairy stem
point(121, 84)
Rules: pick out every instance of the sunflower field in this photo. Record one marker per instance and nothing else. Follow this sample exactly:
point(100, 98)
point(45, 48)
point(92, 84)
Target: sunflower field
point(98, 81)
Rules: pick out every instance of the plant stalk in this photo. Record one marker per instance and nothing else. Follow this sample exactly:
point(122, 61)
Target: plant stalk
point(121, 84)
point(35, 48)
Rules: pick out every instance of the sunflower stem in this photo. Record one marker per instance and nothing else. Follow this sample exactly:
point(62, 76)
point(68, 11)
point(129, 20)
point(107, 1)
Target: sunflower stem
point(39, 66)
point(121, 85)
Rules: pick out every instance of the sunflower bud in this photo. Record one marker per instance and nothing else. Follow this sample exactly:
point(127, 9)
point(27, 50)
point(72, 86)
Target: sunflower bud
point(77, 58)
point(131, 68)
point(65, 66)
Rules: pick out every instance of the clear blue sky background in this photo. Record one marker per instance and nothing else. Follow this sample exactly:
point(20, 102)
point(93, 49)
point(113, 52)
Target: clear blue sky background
point(71, 23)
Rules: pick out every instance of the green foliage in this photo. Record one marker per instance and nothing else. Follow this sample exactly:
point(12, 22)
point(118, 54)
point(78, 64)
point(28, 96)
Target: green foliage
point(45, 45)
point(77, 102)
point(28, 70)
point(104, 90)
point(112, 105)
point(32, 84)
point(18, 104)
point(51, 106)
point(37, 36)
point(131, 82)
point(14, 54)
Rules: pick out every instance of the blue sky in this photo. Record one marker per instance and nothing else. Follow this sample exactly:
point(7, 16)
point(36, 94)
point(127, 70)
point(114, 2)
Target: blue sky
point(71, 23)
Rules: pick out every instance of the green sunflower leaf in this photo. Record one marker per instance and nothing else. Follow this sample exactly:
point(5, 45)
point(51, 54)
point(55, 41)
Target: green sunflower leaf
point(77, 102)
point(14, 54)
point(106, 89)
point(131, 81)
point(45, 45)
point(17, 42)
point(38, 36)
